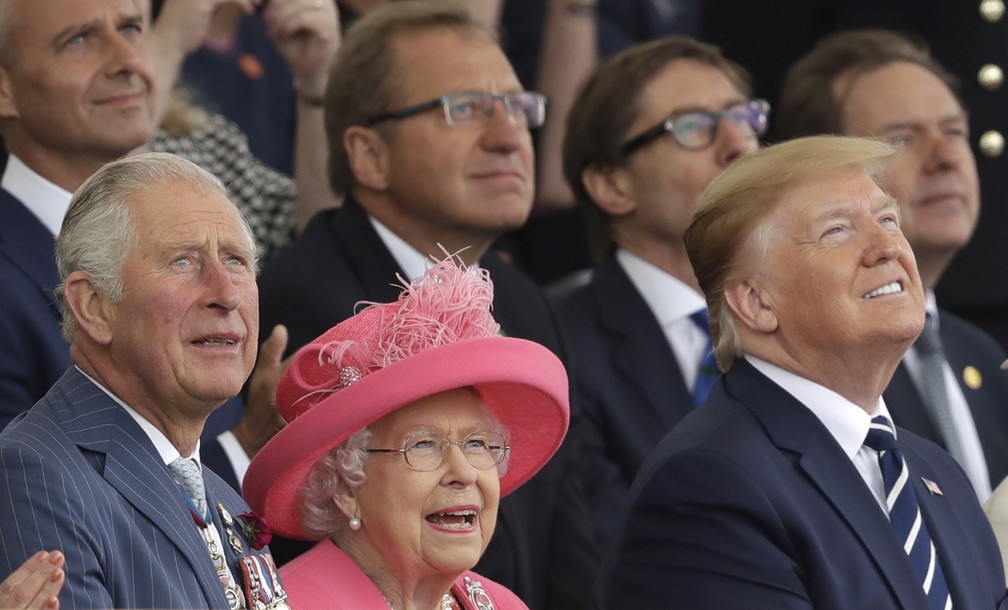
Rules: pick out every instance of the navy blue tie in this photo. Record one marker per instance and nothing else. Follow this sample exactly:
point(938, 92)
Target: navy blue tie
point(905, 515)
point(708, 371)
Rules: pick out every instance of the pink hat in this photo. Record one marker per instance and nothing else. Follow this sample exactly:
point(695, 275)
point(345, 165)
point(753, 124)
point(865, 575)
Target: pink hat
point(438, 336)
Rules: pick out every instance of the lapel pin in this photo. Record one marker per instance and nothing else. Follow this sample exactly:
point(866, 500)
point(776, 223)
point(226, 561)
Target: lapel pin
point(932, 487)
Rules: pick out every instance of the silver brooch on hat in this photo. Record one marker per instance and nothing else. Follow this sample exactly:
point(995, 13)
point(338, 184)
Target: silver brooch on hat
point(349, 375)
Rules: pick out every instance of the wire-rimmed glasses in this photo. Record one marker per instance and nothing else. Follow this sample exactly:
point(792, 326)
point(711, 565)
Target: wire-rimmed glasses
point(426, 451)
point(525, 108)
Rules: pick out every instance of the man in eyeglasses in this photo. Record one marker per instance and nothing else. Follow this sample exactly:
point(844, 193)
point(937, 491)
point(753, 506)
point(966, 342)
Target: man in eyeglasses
point(429, 140)
point(651, 127)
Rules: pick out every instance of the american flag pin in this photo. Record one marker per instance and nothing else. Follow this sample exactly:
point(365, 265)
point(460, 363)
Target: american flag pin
point(932, 487)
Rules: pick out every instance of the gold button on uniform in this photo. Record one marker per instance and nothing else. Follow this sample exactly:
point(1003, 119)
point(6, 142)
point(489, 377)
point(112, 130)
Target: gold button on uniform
point(992, 144)
point(972, 378)
point(992, 10)
point(990, 77)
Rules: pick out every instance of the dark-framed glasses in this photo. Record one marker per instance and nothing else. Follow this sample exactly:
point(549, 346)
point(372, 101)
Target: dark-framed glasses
point(524, 108)
point(426, 451)
point(697, 129)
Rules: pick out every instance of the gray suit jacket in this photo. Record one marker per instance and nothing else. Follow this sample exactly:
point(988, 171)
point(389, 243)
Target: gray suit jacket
point(78, 474)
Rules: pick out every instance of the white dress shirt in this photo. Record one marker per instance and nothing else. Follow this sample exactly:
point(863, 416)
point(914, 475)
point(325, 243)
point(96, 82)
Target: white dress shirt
point(672, 302)
point(44, 199)
point(846, 422)
point(410, 260)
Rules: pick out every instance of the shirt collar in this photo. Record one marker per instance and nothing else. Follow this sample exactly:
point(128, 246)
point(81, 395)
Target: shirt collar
point(413, 262)
point(930, 303)
point(164, 447)
point(44, 199)
point(845, 421)
point(668, 298)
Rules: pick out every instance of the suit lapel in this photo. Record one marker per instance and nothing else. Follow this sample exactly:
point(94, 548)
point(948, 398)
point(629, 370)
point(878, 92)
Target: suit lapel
point(944, 526)
point(373, 264)
point(793, 428)
point(133, 467)
point(642, 353)
point(26, 242)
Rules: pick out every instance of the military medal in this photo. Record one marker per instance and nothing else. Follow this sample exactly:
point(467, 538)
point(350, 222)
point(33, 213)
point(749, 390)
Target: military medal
point(233, 539)
point(262, 585)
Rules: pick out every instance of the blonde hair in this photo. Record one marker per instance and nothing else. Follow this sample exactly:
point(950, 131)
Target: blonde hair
point(728, 234)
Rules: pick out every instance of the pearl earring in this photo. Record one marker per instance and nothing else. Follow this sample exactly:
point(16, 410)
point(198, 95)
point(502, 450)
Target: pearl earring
point(354, 523)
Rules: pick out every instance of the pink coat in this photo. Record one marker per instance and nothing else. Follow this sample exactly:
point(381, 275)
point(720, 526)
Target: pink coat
point(325, 577)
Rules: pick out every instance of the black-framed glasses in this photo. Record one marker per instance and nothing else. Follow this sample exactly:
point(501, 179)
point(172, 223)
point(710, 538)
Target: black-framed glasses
point(697, 129)
point(426, 451)
point(525, 108)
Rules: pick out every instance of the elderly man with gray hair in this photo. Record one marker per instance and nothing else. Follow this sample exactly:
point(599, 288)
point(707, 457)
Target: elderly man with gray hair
point(790, 487)
point(160, 305)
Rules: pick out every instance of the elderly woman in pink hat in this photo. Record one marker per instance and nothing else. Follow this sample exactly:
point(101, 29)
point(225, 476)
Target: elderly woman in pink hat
point(406, 425)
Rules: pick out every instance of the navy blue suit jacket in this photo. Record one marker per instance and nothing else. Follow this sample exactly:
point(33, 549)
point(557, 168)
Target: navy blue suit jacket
point(542, 548)
point(965, 346)
point(750, 503)
point(34, 353)
point(80, 475)
point(628, 387)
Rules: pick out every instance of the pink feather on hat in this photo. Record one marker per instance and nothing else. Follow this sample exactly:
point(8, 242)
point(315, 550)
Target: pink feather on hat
point(438, 335)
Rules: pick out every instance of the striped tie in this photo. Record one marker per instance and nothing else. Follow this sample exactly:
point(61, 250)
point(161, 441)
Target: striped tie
point(708, 371)
point(905, 515)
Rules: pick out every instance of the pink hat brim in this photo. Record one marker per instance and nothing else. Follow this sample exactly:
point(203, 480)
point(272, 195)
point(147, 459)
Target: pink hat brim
point(523, 384)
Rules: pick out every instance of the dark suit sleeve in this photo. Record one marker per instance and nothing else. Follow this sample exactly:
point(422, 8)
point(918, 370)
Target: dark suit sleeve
point(34, 353)
point(573, 552)
point(605, 485)
point(701, 534)
point(43, 507)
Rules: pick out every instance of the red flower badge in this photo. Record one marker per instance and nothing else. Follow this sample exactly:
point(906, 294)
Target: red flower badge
point(257, 531)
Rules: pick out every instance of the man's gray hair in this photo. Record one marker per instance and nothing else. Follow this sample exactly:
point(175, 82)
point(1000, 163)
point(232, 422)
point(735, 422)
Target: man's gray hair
point(99, 231)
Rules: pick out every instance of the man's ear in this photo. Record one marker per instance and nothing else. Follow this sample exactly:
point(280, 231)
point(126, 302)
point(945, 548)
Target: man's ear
point(609, 188)
point(92, 307)
point(752, 305)
point(367, 154)
point(8, 109)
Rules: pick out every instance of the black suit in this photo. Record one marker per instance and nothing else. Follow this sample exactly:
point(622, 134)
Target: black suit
point(542, 549)
point(628, 386)
point(965, 346)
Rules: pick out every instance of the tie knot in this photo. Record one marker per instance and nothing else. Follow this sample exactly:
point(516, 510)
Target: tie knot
point(881, 436)
point(929, 342)
point(187, 473)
